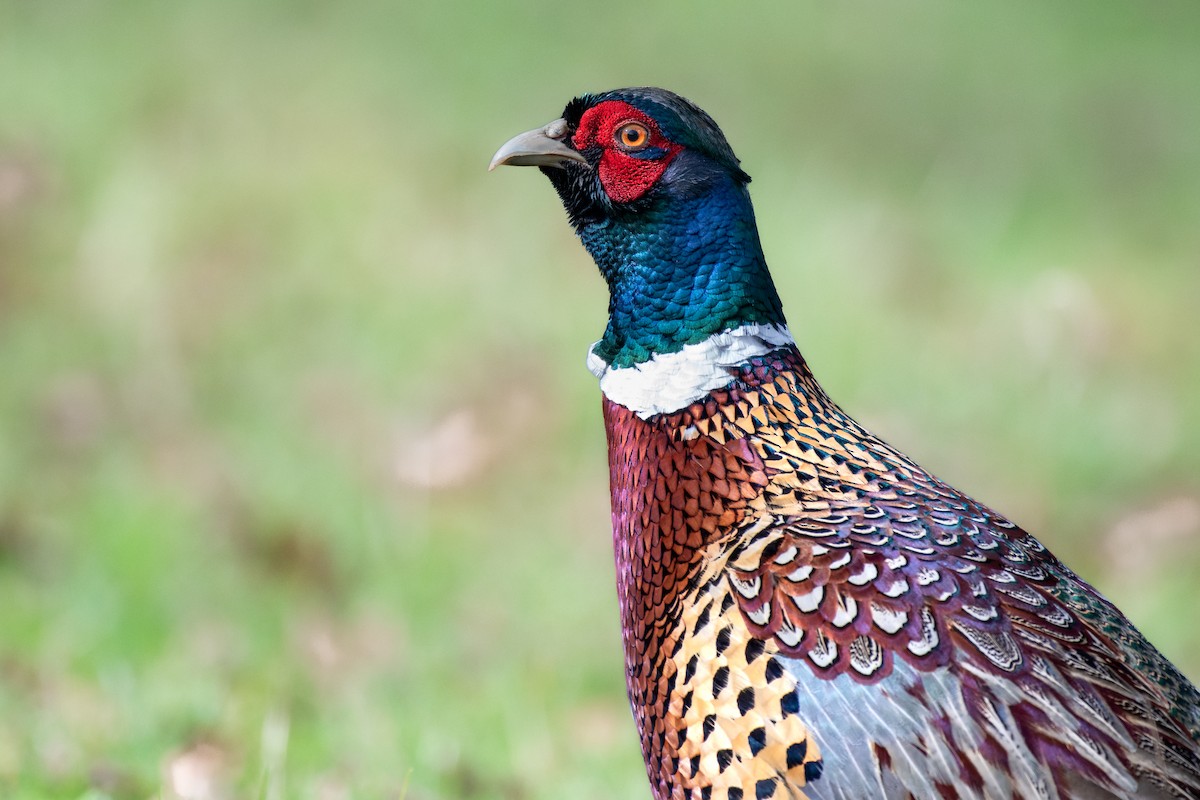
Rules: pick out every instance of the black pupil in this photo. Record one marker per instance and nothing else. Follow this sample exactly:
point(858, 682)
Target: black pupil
point(633, 136)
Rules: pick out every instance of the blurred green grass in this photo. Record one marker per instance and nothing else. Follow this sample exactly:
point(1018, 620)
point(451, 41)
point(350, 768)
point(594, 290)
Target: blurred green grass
point(302, 481)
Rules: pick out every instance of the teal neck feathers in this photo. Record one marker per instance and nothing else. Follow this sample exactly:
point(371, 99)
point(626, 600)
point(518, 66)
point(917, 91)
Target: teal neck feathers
point(686, 268)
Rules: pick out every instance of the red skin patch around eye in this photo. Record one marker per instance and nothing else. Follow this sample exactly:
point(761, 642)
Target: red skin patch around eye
point(624, 177)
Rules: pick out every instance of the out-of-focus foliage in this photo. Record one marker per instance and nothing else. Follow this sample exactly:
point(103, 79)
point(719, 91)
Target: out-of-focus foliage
point(302, 481)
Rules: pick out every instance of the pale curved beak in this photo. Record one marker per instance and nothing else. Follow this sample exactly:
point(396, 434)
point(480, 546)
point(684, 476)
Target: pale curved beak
point(540, 147)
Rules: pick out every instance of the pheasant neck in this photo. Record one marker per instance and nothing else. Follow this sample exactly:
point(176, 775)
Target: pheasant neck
point(679, 271)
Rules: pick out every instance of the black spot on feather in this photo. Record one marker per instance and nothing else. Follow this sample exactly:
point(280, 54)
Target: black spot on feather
point(745, 700)
point(796, 753)
point(720, 680)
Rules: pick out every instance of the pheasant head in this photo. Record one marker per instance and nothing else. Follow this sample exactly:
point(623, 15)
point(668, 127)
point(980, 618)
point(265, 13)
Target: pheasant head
point(657, 197)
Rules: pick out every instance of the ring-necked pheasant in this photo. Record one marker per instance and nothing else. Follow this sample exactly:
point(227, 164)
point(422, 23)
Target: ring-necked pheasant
point(805, 611)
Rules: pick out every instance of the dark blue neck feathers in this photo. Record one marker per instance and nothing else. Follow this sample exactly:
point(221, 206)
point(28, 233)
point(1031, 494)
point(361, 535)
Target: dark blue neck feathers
point(681, 268)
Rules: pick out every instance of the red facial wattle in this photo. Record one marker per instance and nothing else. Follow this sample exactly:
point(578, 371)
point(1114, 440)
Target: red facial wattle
point(625, 176)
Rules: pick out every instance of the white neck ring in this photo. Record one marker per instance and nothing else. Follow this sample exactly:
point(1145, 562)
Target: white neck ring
point(671, 381)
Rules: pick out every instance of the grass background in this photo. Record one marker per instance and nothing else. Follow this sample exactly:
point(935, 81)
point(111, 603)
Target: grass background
point(302, 480)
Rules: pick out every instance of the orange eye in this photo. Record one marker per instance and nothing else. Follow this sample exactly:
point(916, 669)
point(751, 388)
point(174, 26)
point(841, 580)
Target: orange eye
point(633, 136)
